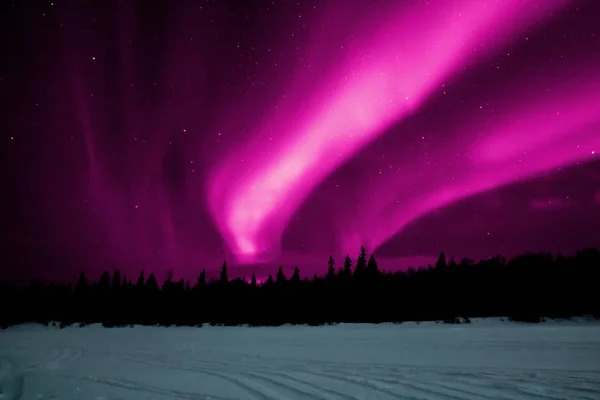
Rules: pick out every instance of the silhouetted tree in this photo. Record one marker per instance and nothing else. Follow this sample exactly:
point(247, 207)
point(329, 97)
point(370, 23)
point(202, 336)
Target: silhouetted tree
point(104, 283)
point(331, 269)
point(280, 276)
point(296, 275)
point(347, 267)
point(361, 263)
point(200, 282)
point(441, 262)
point(116, 281)
point(82, 284)
point(224, 278)
point(141, 280)
point(253, 281)
point(269, 281)
point(372, 266)
point(167, 284)
point(152, 284)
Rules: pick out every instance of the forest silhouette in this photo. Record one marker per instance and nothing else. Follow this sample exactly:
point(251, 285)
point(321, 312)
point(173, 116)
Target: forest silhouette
point(528, 288)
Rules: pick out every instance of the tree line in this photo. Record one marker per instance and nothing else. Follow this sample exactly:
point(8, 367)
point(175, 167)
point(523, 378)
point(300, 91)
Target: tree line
point(528, 288)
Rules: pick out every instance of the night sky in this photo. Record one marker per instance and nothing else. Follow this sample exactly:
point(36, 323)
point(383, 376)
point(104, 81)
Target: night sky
point(164, 135)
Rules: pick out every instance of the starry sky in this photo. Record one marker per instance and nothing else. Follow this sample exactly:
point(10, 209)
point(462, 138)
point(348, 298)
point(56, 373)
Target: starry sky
point(175, 134)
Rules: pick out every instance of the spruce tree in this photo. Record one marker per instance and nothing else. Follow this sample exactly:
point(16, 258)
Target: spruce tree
point(116, 281)
point(141, 280)
point(82, 284)
point(330, 269)
point(296, 275)
point(224, 277)
point(152, 284)
point(361, 262)
point(372, 267)
point(269, 281)
point(348, 267)
point(201, 281)
point(441, 262)
point(104, 283)
point(280, 276)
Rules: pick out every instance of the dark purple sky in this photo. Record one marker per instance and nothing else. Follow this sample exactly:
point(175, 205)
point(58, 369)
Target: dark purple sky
point(174, 134)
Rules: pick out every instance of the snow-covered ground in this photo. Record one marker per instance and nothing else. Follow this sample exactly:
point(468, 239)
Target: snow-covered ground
point(488, 359)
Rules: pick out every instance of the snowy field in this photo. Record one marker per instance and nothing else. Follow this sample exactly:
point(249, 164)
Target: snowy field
point(488, 359)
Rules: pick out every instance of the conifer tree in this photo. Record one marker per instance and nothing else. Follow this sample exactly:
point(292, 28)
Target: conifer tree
point(104, 283)
point(348, 267)
point(168, 283)
point(116, 281)
point(361, 262)
point(330, 269)
point(372, 267)
point(281, 279)
point(224, 278)
point(269, 281)
point(141, 280)
point(82, 283)
point(201, 281)
point(152, 284)
point(296, 275)
point(441, 262)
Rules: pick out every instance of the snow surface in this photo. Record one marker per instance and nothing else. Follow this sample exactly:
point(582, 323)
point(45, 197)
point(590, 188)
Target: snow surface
point(488, 359)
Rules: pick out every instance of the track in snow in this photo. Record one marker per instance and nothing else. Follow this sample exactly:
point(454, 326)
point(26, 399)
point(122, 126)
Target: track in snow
point(486, 360)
